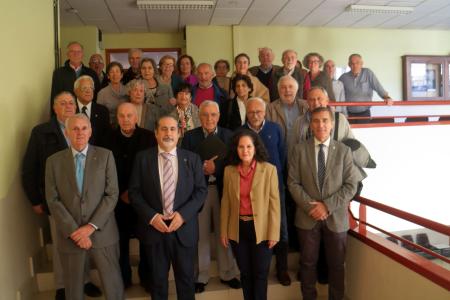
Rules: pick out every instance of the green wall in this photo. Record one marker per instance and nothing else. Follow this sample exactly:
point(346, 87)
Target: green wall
point(27, 64)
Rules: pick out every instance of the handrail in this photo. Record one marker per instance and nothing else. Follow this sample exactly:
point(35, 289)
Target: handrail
point(435, 226)
point(409, 259)
point(394, 103)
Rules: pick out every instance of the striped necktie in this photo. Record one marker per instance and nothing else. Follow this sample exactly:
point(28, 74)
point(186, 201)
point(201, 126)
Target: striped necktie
point(168, 184)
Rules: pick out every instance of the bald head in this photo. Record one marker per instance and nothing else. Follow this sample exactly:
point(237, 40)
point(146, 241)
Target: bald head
point(127, 117)
point(205, 75)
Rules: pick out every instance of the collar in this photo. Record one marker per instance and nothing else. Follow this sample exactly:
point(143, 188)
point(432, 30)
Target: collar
point(205, 133)
point(252, 167)
point(266, 70)
point(257, 130)
point(326, 143)
point(205, 88)
point(76, 69)
point(172, 152)
point(80, 105)
point(84, 151)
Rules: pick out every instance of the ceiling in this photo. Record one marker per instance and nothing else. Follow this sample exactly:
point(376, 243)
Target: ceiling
point(120, 16)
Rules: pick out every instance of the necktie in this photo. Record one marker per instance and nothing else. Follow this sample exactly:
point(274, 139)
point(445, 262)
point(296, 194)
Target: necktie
point(79, 170)
point(168, 184)
point(84, 111)
point(321, 166)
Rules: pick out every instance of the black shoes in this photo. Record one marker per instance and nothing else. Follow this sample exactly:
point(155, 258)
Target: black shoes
point(233, 283)
point(283, 278)
point(60, 294)
point(200, 287)
point(91, 290)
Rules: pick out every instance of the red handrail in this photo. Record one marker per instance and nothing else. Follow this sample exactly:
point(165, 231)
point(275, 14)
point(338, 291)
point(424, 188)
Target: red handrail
point(435, 226)
point(394, 103)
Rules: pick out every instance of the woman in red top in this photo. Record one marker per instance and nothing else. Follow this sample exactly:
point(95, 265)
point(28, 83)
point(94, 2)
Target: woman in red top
point(250, 211)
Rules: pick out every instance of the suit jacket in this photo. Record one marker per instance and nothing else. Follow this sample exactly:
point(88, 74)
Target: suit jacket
point(45, 140)
point(339, 185)
point(265, 199)
point(230, 116)
point(100, 123)
point(95, 204)
point(145, 194)
point(193, 139)
point(275, 113)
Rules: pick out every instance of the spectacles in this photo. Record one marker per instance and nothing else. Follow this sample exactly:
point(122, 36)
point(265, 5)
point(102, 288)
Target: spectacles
point(87, 89)
point(255, 112)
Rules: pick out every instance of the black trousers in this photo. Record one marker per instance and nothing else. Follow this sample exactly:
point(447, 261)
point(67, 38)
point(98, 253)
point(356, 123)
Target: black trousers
point(365, 113)
point(253, 261)
point(335, 244)
point(160, 256)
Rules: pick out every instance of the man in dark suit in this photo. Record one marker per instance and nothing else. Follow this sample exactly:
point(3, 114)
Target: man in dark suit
point(65, 76)
point(167, 190)
point(273, 140)
point(322, 181)
point(213, 170)
point(81, 191)
point(45, 140)
point(97, 113)
point(125, 142)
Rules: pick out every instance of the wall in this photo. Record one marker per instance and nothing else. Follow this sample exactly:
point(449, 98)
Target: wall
point(27, 68)
point(381, 49)
point(86, 35)
point(370, 275)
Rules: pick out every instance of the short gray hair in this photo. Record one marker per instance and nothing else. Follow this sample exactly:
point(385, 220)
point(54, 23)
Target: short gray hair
point(135, 82)
point(208, 103)
point(287, 77)
point(127, 104)
point(56, 98)
point(79, 116)
point(74, 43)
point(76, 85)
point(256, 99)
point(133, 50)
point(287, 51)
point(320, 88)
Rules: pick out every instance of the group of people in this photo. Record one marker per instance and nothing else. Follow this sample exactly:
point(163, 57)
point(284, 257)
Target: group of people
point(172, 157)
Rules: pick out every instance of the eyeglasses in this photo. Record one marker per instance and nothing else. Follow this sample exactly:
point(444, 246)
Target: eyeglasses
point(255, 112)
point(87, 89)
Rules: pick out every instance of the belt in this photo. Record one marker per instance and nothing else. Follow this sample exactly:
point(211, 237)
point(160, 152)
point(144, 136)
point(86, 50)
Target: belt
point(246, 218)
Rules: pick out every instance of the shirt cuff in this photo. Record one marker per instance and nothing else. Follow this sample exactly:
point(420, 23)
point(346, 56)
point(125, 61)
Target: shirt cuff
point(95, 227)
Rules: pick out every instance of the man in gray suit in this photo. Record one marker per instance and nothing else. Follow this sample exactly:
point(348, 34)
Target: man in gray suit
point(322, 181)
point(81, 191)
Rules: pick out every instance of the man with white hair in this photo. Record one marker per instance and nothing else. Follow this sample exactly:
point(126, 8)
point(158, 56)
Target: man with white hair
point(288, 107)
point(81, 191)
point(289, 60)
point(98, 114)
point(213, 168)
point(265, 71)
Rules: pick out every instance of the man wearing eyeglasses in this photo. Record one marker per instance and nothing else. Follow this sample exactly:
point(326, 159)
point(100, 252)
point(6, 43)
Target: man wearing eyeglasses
point(97, 113)
point(272, 137)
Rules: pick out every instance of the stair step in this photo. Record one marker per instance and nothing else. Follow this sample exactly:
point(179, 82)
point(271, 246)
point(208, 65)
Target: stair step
point(215, 291)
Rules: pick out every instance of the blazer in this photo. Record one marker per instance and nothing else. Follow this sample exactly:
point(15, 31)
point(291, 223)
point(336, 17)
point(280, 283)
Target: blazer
point(46, 139)
point(230, 116)
point(265, 199)
point(95, 204)
point(339, 186)
point(275, 113)
point(144, 191)
point(100, 123)
point(192, 140)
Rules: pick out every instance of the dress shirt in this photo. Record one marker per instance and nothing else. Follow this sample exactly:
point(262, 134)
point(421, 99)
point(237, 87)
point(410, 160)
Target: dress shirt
point(88, 106)
point(242, 110)
point(325, 150)
point(245, 187)
point(257, 130)
point(174, 161)
point(84, 152)
point(291, 113)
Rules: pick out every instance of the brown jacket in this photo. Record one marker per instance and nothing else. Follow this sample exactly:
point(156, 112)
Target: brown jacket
point(265, 200)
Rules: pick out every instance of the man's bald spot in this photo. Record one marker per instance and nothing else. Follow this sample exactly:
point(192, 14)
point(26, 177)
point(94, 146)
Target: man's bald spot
point(127, 106)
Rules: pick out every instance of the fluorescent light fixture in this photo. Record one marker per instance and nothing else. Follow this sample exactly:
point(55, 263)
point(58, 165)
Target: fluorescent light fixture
point(175, 4)
point(379, 9)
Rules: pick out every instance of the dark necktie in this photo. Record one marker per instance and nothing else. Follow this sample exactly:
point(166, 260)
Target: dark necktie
point(321, 166)
point(84, 111)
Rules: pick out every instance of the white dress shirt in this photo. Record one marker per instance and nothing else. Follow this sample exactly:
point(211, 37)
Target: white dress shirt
point(88, 108)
